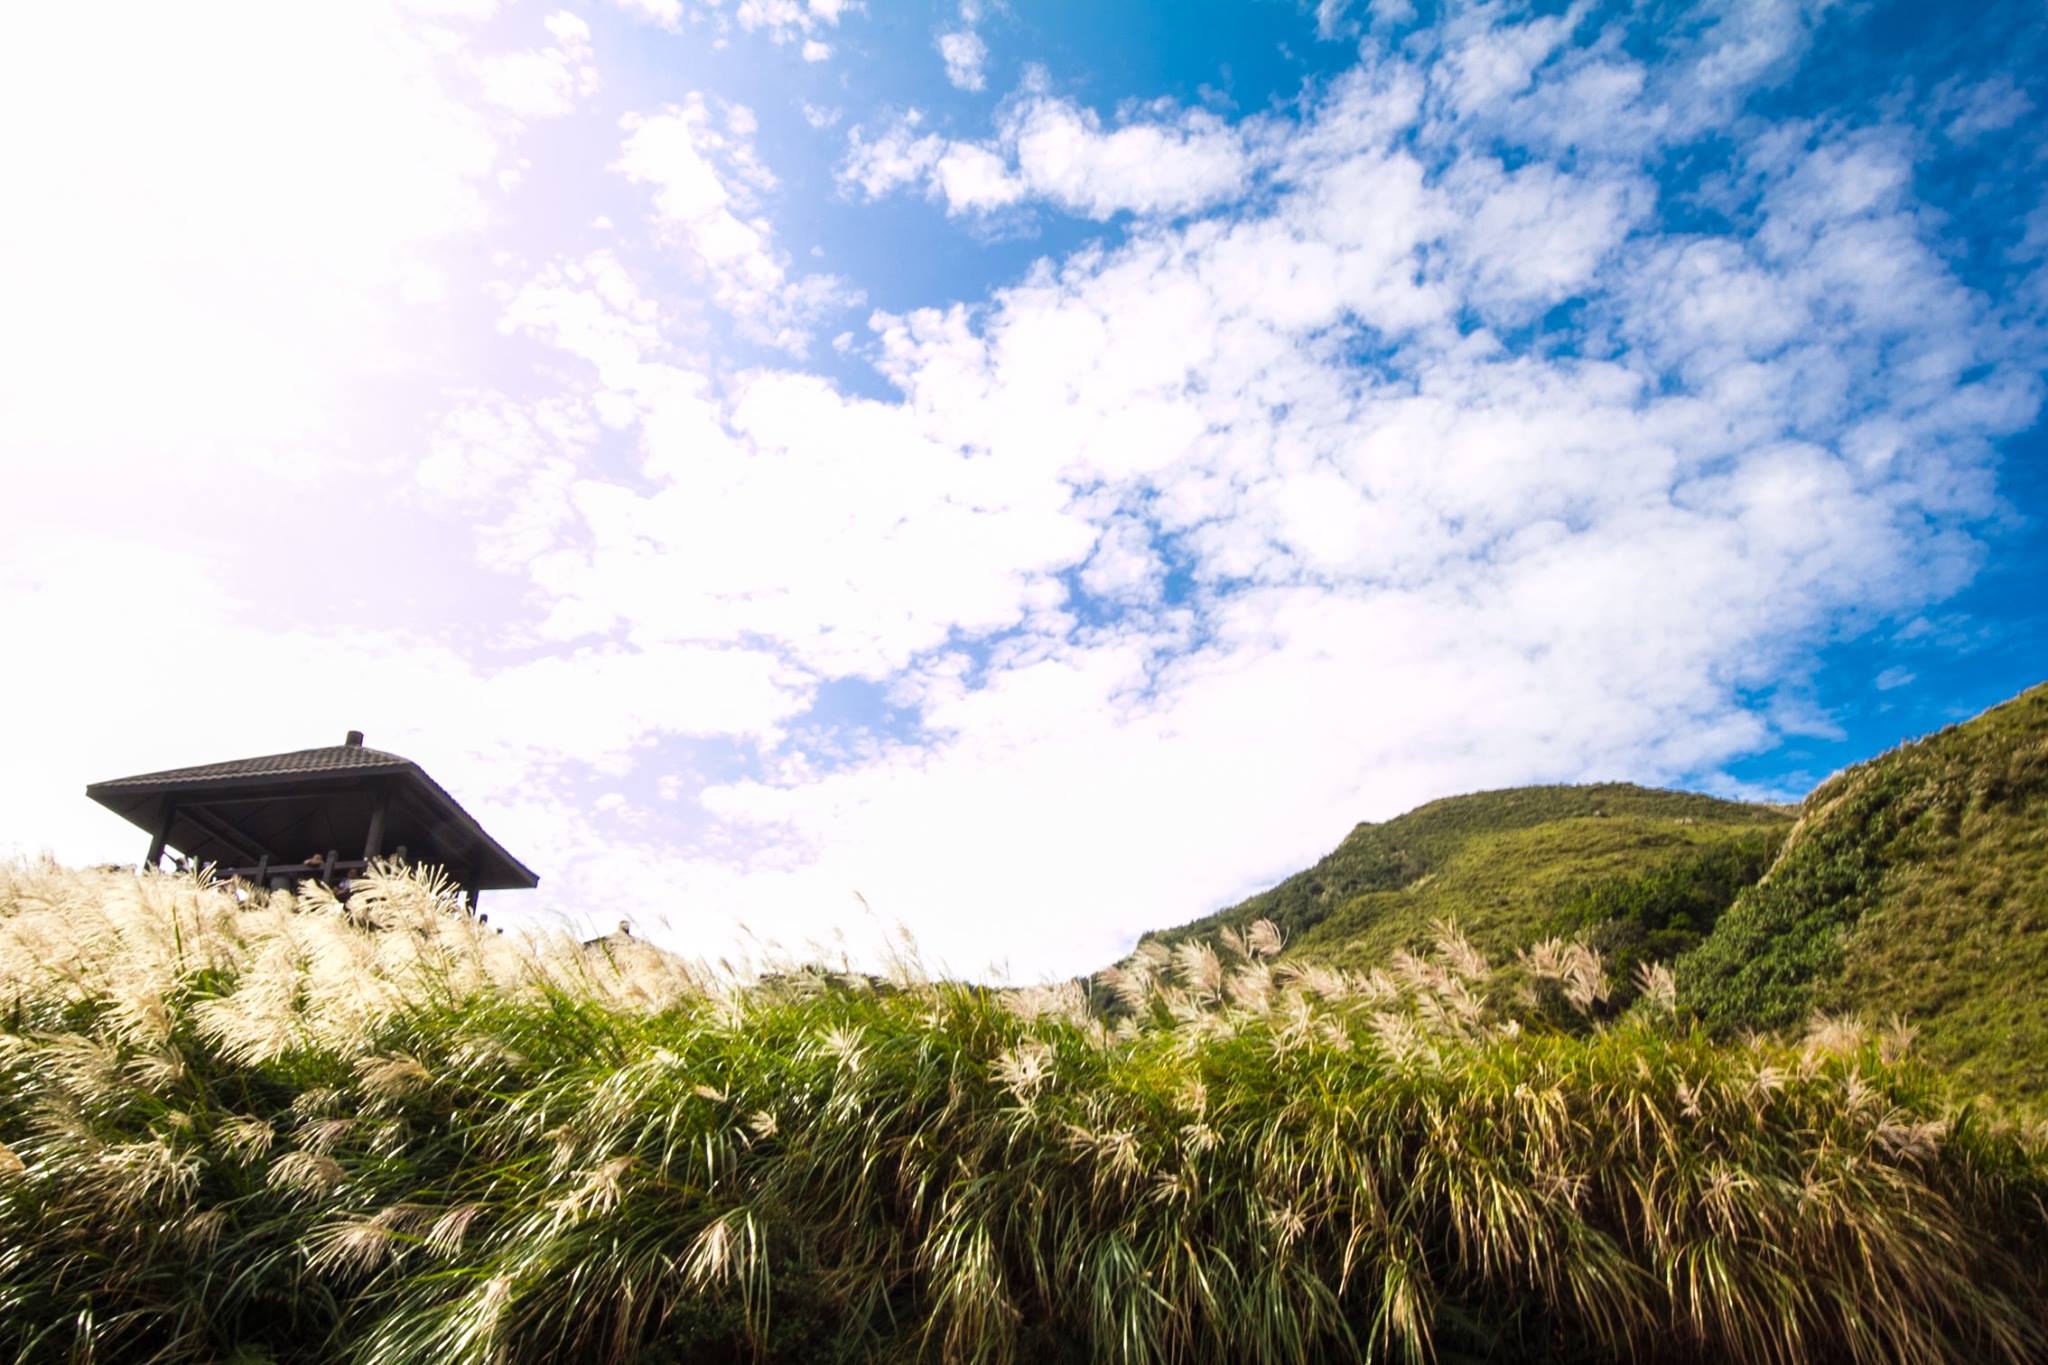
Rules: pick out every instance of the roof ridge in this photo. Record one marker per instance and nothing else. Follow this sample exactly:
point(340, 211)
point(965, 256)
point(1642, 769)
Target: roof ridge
point(321, 758)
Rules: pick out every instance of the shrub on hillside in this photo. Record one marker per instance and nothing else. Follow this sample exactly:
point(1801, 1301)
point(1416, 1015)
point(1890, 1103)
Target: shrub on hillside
point(1656, 915)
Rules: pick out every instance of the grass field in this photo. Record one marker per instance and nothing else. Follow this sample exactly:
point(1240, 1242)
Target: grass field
point(285, 1131)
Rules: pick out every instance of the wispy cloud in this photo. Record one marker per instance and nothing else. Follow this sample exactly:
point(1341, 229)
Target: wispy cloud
point(797, 23)
point(965, 55)
point(544, 82)
point(706, 182)
point(1050, 149)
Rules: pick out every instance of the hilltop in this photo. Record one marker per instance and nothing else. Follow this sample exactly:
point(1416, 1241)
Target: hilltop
point(1513, 866)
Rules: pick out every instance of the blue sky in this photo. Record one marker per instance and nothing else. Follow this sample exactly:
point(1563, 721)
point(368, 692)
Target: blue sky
point(1024, 473)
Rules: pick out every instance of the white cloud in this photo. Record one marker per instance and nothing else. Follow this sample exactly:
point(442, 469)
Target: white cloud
point(1333, 16)
point(965, 55)
point(895, 543)
point(783, 21)
point(1148, 166)
point(1561, 84)
point(1987, 106)
point(902, 155)
point(791, 20)
point(1538, 233)
point(1745, 44)
point(1489, 62)
point(1155, 162)
point(974, 179)
point(666, 12)
point(1177, 587)
point(706, 183)
point(546, 82)
point(1124, 566)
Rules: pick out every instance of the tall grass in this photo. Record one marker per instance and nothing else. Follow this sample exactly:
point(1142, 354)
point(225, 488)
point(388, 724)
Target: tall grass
point(297, 1130)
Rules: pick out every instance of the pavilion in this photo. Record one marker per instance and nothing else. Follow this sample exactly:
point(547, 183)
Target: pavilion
point(312, 813)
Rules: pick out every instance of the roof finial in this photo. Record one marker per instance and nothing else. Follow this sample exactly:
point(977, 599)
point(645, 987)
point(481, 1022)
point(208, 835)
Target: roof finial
point(354, 740)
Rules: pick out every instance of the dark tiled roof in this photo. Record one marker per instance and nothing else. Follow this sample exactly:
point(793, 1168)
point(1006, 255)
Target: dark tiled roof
point(334, 758)
point(222, 810)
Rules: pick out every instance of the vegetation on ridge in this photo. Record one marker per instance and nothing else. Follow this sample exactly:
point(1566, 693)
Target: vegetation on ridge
point(285, 1131)
point(1645, 872)
point(1915, 884)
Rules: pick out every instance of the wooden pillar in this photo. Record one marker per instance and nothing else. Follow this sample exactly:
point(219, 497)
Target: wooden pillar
point(374, 844)
point(162, 835)
point(471, 898)
point(327, 866)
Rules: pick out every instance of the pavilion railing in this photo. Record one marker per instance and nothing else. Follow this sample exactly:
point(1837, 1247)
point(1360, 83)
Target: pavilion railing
point(325, 870)
point(332, 870)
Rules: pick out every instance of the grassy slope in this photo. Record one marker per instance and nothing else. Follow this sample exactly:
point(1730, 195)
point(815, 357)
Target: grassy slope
point(1916, 883)
point(1505, 865)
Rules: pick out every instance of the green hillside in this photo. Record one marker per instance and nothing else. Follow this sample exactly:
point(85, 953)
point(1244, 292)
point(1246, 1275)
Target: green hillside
point(1513, 866)
point(1916, 884)
point(1913, 885)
